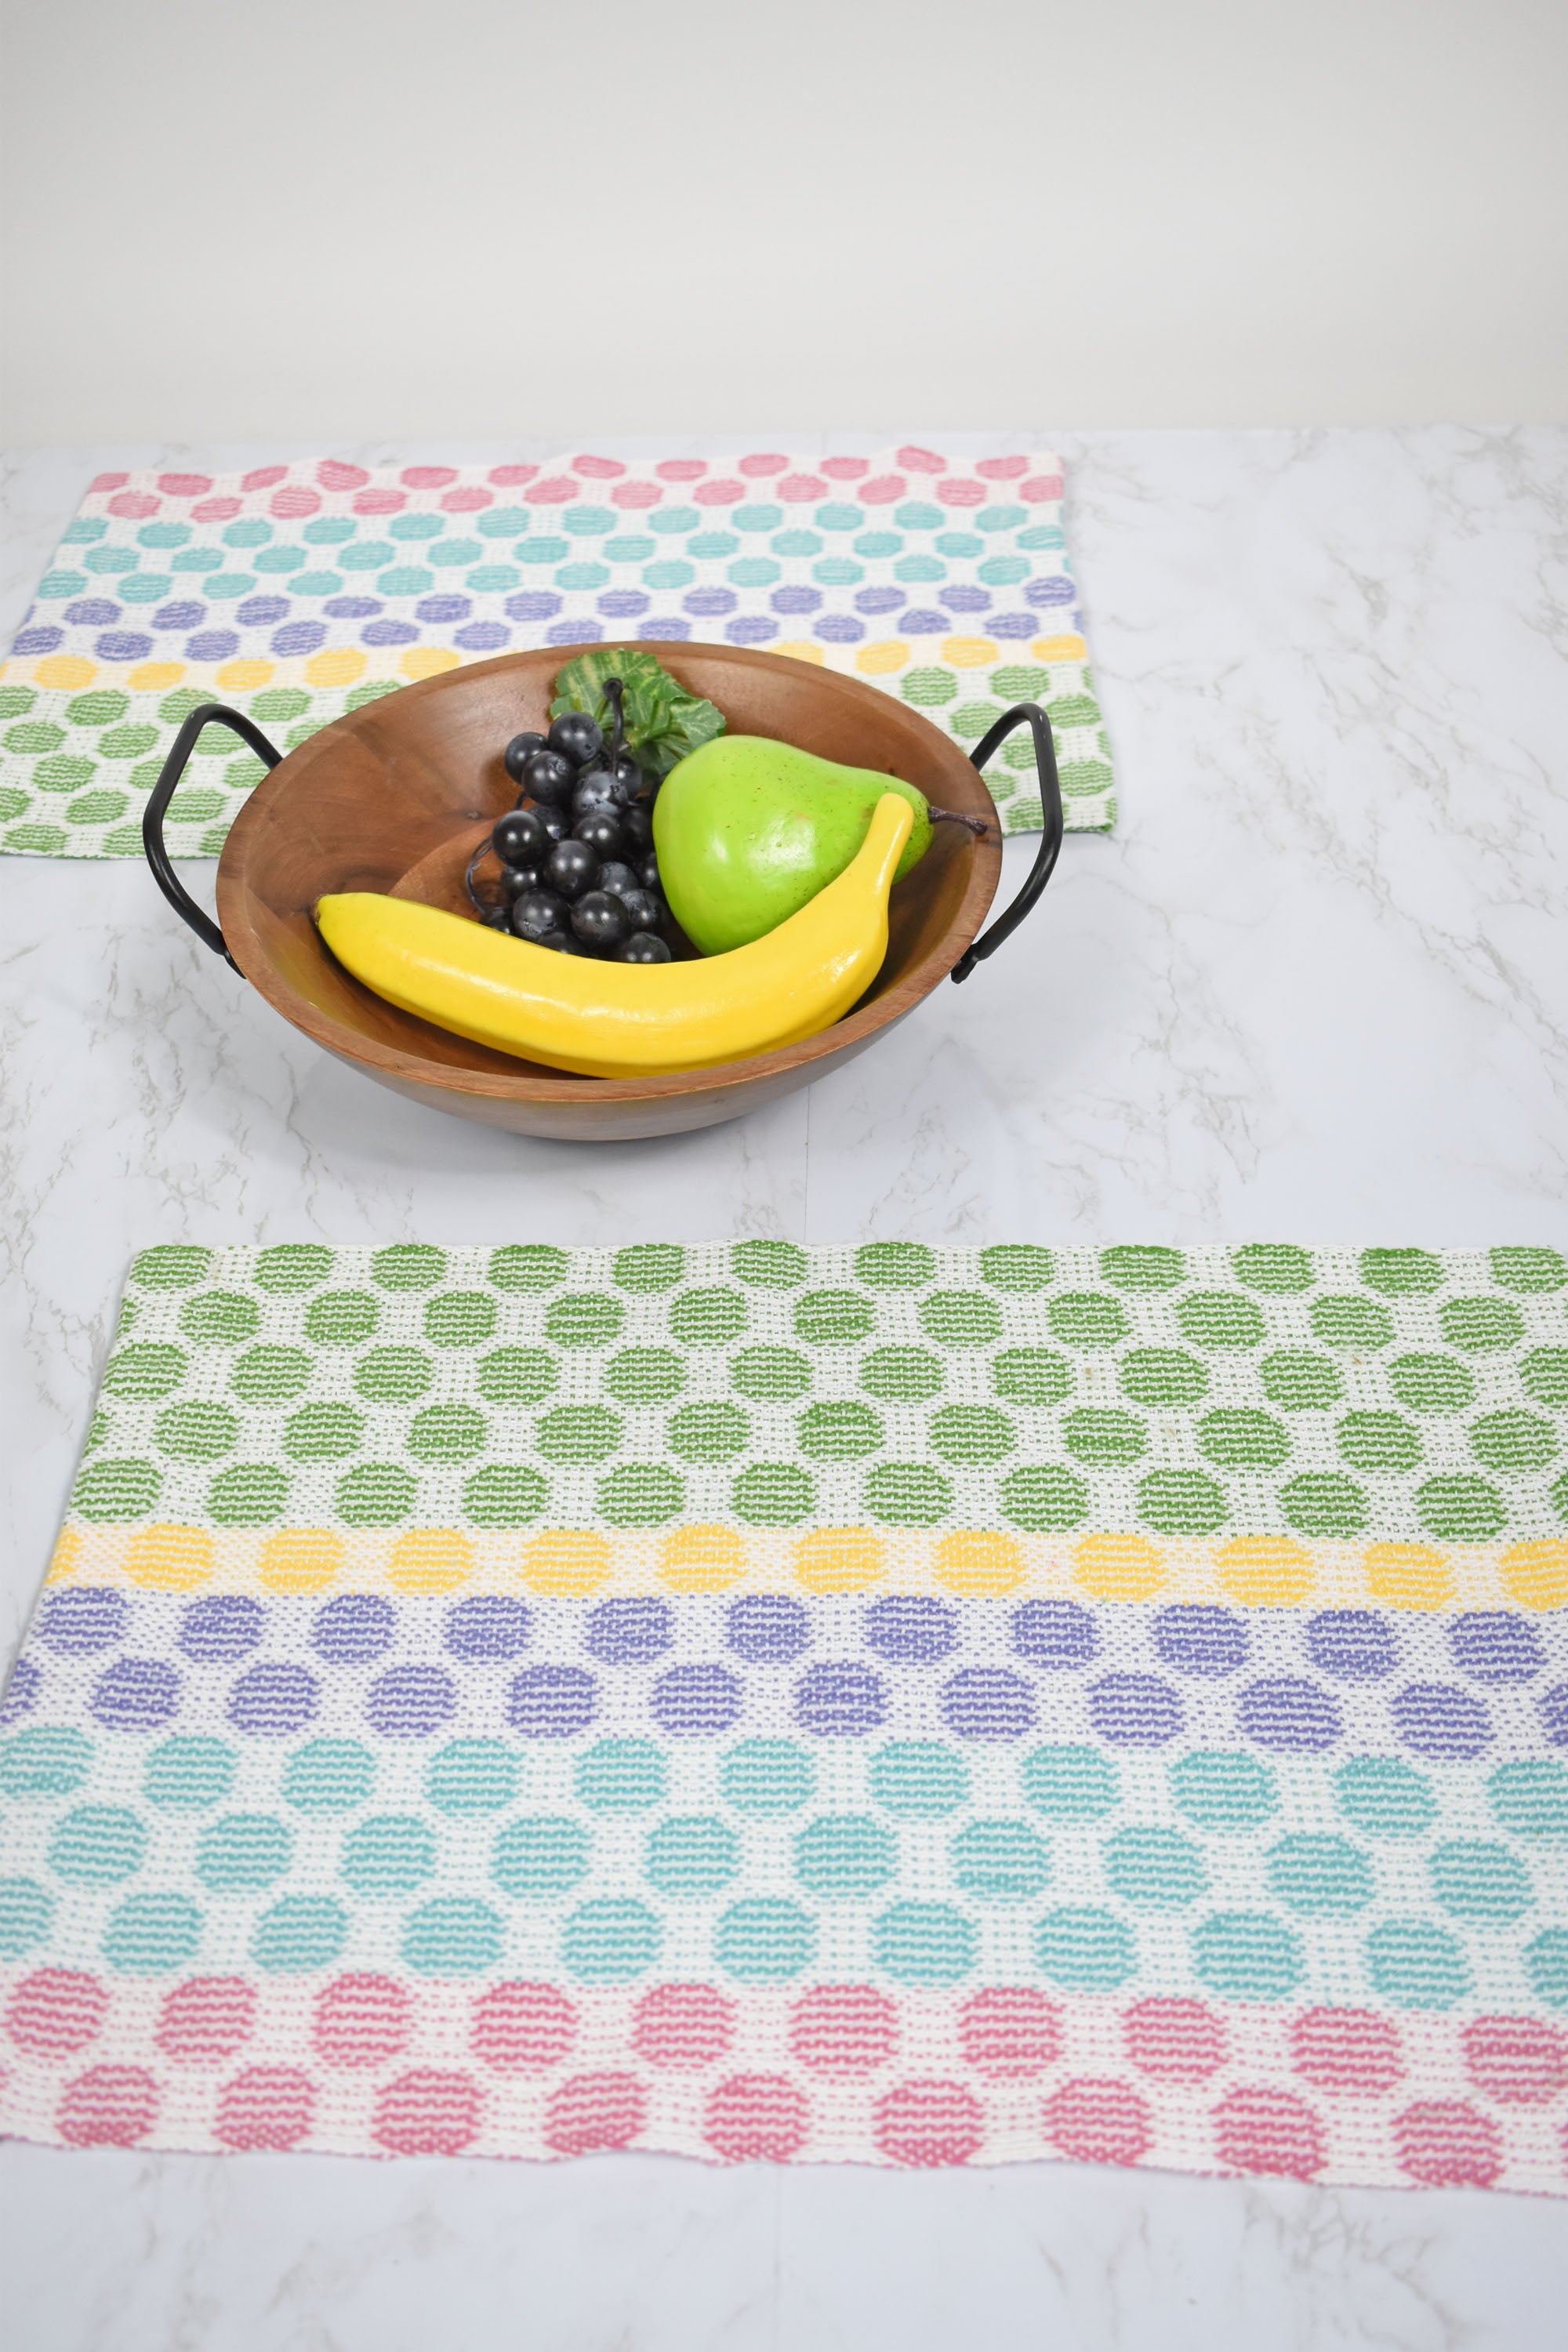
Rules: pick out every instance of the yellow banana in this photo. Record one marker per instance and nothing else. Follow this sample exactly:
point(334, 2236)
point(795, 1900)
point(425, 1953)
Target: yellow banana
point(622, 1020)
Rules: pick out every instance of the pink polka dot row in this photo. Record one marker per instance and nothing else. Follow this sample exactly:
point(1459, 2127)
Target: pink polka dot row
point(1003, 2034)
point(334, 474)
point(1006, 2036)
point(924, 2122)
point(295, 500)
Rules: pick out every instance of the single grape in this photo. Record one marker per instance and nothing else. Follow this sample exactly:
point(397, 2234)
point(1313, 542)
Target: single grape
point(601, 829)
point(572, 868)
point(562, 943)
point(576, 737)
point(548, 776)
point(636, 825)
point(516, 880)
point(629, 776)
point(520, 839)
point(647, 872)
point(600, 921)
point(616, 876)
point(646, 910)
point(536, 912)
point(642, 947)
point(596, 789)
point(519, 752)
point(556, 821)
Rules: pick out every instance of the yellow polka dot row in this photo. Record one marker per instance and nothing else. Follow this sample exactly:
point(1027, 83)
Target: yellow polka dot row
point(1252, 1571)
point(348, 665)
point(891, 654)
point(334, 666)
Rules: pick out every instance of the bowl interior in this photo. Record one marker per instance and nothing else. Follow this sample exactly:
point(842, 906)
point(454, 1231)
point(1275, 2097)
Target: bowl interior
point(395, 797)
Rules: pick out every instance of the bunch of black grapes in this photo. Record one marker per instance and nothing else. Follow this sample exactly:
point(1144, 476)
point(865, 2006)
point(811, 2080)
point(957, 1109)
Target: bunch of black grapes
point(578, 868)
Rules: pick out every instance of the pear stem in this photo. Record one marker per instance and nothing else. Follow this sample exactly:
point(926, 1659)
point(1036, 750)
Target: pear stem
point(976, 824)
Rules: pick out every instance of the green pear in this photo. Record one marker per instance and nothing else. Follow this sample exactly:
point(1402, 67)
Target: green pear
point(746, 830)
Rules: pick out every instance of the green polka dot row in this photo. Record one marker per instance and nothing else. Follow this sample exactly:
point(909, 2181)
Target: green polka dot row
point(1397, 1392)
point(75, 771)
point(1265, 1271)
point(72, 786)
point(1082, 746)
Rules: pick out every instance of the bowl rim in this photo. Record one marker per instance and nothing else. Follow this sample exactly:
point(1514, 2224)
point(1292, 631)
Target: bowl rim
point(402, 1064)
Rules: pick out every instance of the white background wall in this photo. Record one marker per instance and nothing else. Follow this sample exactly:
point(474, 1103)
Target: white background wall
point(333, 218)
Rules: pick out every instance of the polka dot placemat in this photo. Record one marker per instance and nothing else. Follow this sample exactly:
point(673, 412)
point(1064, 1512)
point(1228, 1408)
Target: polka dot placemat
point(296, 593)
point(915, 1706)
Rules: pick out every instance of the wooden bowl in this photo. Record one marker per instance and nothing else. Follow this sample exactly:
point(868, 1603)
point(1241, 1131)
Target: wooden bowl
point(395, 797)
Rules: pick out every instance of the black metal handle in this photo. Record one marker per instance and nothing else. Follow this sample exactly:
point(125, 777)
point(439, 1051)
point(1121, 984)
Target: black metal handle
point(1022, 714)
point(207, 714)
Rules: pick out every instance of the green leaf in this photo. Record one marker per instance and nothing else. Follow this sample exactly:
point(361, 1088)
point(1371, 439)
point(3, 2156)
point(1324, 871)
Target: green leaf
point(664, 722)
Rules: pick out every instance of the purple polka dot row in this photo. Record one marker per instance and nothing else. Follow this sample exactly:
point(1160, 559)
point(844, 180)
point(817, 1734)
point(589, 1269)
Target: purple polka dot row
point(1204, 1639)
point(1283, 1713)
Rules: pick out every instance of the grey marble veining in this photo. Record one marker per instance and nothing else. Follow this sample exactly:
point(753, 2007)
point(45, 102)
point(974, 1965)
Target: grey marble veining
point(1313, 989)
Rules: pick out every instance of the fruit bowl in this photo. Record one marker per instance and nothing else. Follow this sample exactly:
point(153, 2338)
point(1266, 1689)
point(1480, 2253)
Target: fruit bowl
point(396, 796)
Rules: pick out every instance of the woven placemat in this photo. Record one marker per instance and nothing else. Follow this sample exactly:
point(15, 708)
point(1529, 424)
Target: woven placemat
point(296, 593)
point(915, 1706)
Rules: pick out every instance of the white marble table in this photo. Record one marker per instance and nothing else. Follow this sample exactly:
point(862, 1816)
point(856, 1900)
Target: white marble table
point(1315, 990)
